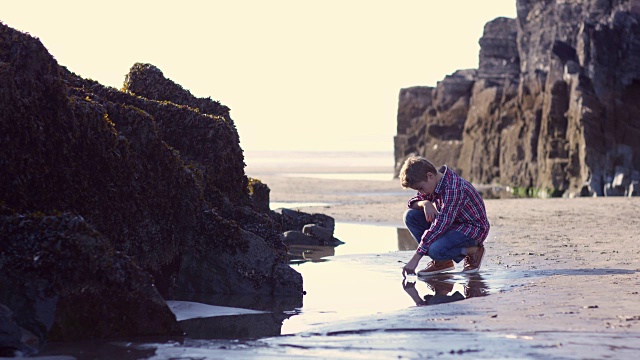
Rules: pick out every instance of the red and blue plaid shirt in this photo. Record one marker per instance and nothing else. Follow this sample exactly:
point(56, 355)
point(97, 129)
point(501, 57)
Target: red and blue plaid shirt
point(460, 207)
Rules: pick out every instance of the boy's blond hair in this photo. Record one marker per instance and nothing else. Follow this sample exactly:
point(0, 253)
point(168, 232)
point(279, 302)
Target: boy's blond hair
point(414, 170)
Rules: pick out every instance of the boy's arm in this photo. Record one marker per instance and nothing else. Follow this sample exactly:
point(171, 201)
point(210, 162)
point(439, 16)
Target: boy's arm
point(427, 207)
point(430, 211)
point(417, 201)
point(413, 202)
point(451, 202)
point(419, 204)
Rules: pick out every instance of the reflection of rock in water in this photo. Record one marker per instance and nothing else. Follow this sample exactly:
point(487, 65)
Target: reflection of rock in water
point(314, 253)
point(301, 252)
point(405, 240)
point(252, 326)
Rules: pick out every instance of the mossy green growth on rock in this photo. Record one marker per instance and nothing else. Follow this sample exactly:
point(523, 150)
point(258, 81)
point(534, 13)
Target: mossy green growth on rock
point(252, 183)
point(259, 193)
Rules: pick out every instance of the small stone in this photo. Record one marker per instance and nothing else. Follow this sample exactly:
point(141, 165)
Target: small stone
point(293, 237)
point(322, 233)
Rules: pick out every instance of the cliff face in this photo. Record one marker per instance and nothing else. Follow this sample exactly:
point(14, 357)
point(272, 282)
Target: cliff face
point(432, 120)
point(156, 174)
point(553, 106)
point(492, 106)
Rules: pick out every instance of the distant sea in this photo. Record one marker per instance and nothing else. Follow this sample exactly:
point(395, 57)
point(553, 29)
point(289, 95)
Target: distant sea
point(342, 165)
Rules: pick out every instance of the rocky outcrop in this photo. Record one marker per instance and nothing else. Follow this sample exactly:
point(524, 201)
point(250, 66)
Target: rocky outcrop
point(149, 82)
point(296, 220)
point(302, 228)
point(148, 183)
point(430, 121)
point(553, 106)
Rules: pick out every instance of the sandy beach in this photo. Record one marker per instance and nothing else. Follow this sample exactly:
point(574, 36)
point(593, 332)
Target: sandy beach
point(568, 269)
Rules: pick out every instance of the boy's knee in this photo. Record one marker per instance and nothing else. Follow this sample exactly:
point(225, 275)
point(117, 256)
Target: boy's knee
point(410, 215)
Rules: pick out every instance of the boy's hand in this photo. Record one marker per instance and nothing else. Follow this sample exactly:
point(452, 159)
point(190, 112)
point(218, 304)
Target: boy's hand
point(430, 211)
point(410, 267)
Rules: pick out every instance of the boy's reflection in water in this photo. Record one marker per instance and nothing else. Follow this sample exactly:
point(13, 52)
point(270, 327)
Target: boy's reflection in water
point(442, 285)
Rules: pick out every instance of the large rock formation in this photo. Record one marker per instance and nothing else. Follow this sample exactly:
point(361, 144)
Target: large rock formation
point(430, 121)
point(143, 189)
point(553, 107)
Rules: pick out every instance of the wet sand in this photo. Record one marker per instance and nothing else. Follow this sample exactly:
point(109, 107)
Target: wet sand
point(567, 271)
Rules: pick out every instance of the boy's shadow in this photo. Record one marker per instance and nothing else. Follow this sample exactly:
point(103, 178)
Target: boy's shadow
point(442, 286)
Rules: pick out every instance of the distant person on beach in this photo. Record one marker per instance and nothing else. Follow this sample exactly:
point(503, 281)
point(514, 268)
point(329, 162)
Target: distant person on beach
point(447, 218)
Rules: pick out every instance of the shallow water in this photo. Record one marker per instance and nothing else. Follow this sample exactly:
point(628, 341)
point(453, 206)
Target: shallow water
point(339, 287)
point(339, 291)
point(358, 239)
point(341, 283)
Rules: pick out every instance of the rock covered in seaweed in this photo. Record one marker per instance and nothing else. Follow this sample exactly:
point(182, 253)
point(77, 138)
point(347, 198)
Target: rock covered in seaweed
point(296, 220)
point(302, 228)
point(149, 82)
point(64, 281)
point(159, 180)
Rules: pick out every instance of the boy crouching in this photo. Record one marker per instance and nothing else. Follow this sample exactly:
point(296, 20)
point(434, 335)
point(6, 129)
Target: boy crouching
point(447, 218)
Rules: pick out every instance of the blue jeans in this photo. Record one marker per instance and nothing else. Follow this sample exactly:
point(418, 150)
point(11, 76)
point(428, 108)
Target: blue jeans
point(449, 246)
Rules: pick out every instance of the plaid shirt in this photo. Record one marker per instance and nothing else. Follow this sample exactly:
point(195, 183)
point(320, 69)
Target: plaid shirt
point(460, 207)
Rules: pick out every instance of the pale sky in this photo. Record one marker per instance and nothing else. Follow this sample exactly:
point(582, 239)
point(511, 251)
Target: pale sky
point(297, 75)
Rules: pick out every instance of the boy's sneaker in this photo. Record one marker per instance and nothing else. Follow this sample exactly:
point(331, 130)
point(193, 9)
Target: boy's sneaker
point(436, 267)
point(472, 262)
